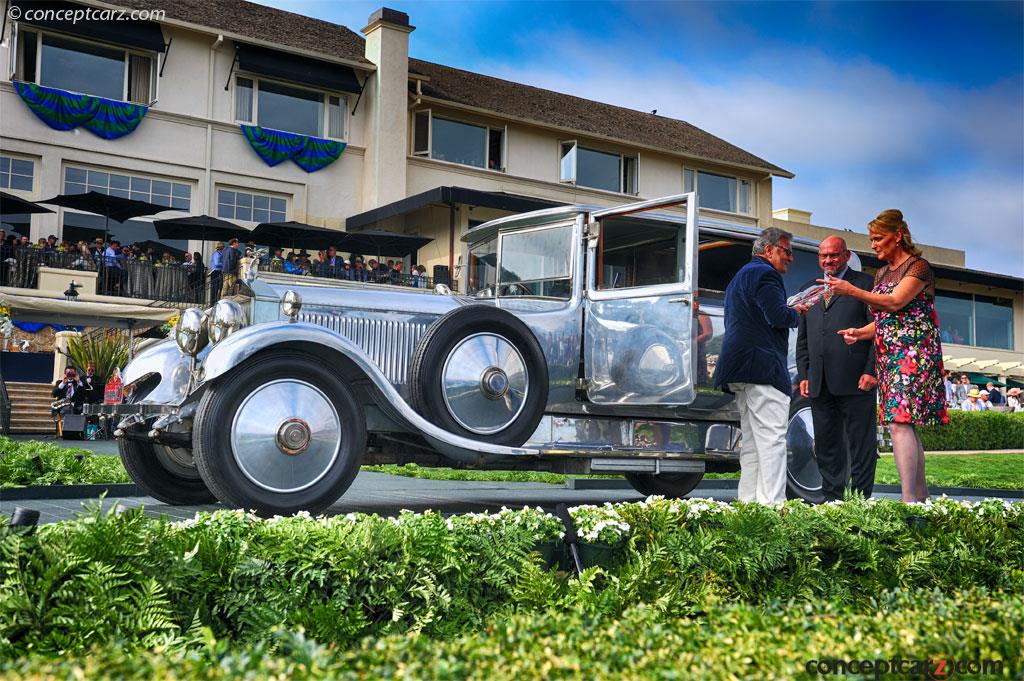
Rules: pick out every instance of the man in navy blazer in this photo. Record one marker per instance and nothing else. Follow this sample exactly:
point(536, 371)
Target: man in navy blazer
point(752, 364)
point(839, 379)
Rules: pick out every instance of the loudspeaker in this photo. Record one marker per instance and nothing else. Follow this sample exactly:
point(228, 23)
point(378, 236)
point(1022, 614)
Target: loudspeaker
point(441, 275)
point(74, 426)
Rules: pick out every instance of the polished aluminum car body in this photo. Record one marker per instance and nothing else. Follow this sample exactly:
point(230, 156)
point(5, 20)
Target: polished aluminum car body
point(609, 295)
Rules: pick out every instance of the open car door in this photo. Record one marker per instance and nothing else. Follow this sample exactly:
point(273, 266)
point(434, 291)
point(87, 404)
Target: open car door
point(638, 324)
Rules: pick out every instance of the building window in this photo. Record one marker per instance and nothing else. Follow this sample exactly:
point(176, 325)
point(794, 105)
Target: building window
point(250, 206)
point(446, 139)
point(16, 173)
point(598, 169)
point(88, 68)
point(270, 104)
point(968, 319)
point(175, 195)
point(719, 192)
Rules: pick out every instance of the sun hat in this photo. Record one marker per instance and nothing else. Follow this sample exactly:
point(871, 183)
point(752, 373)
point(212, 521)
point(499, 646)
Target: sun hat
point(974, 393)
point(983, 392)
point(1013, 392)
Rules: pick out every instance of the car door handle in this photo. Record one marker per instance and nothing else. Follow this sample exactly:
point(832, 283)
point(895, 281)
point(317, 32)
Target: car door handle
point(684, 301)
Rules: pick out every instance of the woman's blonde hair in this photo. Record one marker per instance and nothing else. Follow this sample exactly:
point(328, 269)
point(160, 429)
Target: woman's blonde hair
point(891, 221)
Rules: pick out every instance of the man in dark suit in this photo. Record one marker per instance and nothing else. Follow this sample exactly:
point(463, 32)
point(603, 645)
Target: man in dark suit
point(839, 379)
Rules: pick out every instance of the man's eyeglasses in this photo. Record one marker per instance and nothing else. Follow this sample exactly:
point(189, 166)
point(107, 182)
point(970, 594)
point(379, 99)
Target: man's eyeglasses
point(787, 251)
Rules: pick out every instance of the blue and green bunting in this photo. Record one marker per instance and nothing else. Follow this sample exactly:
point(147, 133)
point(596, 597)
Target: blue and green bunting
point(61, 110)
point(309, 153)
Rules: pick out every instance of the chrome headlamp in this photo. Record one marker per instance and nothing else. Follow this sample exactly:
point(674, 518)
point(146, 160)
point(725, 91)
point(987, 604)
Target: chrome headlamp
point(190, 333)
point(227, 318)
point(291, 303)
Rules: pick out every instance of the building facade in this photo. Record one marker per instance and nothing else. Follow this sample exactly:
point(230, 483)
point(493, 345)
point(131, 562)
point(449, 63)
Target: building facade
point(361, 136)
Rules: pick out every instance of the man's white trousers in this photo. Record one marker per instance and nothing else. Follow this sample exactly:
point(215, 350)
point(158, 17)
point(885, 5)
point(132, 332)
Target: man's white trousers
point(764, 416)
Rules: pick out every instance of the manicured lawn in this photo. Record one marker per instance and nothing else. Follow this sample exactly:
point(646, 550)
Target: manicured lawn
point(996, 471)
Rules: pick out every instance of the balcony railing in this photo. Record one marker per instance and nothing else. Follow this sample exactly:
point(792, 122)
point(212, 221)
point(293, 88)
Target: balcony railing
point(169, 284)
point(173, 284)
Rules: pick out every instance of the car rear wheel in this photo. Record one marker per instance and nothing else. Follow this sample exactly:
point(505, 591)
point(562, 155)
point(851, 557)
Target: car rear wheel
point(168, 474)
point(672, 485)
point(282, 433)
point(803, 478)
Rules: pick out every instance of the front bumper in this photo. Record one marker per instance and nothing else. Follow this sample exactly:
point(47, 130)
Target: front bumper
point(126, 409)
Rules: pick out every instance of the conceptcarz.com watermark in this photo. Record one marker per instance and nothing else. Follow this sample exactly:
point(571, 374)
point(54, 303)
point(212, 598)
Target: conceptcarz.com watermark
point(26, 12)
point(937, 668)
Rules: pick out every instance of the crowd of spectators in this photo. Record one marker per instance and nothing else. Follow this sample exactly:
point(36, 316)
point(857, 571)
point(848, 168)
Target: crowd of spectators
point(966, 396)
point(134, 270)
point(355, 267)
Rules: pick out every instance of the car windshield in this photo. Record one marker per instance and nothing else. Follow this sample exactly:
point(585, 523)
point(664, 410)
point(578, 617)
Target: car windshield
point(536, 263)
point(483, 260)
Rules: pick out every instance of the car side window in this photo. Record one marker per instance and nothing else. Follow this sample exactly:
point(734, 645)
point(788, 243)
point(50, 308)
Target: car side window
point(635, 252)
point(483, 266)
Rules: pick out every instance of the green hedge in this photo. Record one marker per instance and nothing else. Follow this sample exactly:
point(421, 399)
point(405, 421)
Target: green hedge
point(975, 431)
point(43, 463)
point(147, 582)
point(731, 641)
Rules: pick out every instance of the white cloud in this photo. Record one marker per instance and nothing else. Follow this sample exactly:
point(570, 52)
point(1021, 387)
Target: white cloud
point(859, 137)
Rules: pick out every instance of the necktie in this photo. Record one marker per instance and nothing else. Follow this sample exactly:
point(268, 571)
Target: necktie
point(827, 298)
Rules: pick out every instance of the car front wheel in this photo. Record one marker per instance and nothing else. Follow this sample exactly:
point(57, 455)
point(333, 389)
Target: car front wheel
point(282, 433)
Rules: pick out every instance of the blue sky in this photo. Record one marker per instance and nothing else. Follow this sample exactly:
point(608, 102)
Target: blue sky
point(916, 105)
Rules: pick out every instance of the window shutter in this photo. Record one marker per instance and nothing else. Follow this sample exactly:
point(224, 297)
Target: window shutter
point(243, 100)
point(140, 70)
point(421, 134)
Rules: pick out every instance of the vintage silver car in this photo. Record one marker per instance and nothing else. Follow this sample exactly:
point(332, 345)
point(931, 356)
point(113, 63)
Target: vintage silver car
point(575, 344)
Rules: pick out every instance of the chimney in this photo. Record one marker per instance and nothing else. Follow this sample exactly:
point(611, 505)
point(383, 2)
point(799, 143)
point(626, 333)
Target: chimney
point(792, 215)
point(387, 46)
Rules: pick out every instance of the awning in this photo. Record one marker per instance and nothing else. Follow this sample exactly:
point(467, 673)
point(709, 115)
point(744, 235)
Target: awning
point(102, 24)
point(86, 311)
point(514, 203)
point(266, 62)
point(982, 379)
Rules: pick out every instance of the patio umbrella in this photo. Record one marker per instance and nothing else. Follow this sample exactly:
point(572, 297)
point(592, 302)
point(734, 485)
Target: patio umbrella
point(202, 227)
point(296, 235)
point(110, 207)
point(382, 243)
point(13, 205)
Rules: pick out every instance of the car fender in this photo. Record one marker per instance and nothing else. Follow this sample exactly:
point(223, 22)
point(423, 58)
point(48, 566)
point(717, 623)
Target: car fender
point(244, 343)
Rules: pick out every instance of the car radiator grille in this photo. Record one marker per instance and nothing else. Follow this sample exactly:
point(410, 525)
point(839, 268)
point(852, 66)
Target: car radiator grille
point(389, 343)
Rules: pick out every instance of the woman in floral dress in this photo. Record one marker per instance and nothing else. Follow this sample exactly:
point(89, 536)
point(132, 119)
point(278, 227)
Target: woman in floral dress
point(908, 351)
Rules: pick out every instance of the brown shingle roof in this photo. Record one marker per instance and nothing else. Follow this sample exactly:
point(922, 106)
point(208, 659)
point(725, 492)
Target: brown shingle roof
point(262, 23)
point(566, 111)
point(503, 97)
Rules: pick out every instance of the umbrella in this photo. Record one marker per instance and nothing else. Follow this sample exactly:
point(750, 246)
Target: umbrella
point(202, 227)
point(13, 205)
point(382, 243)
point(297, 234)
point(109, 206)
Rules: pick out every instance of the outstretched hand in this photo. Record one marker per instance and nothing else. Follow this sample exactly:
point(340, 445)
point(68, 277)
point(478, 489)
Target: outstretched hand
point(839, 286)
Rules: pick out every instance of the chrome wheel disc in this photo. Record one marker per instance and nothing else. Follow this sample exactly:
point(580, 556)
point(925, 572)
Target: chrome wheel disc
point(485, 383)
point(286, 435)
point(802, 464)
